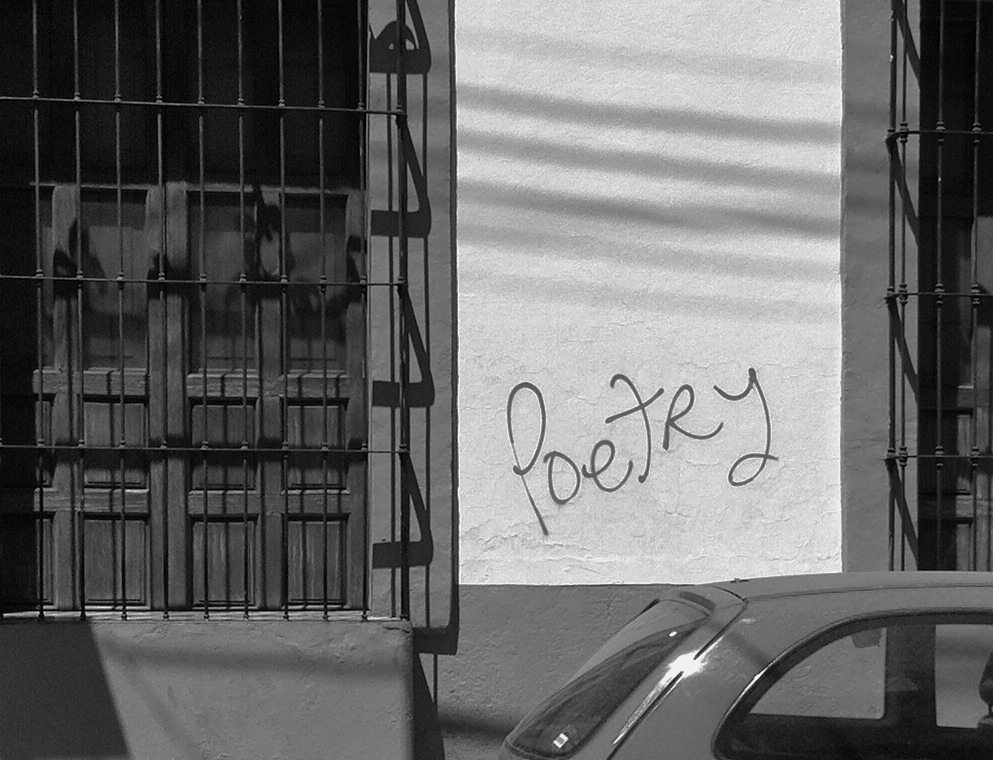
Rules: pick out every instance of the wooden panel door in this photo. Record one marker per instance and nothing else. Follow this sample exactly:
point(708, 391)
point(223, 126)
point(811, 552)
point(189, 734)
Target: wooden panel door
point(275, 394)
point(194, 424)
point(182, 393)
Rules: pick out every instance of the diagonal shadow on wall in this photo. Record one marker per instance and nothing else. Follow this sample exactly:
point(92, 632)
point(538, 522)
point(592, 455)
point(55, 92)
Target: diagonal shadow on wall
point(54, 696)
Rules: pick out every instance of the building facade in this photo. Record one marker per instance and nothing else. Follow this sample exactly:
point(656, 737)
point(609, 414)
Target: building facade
point(649, 320)
point(365, 365)
point(227, 392)
point(756, 341)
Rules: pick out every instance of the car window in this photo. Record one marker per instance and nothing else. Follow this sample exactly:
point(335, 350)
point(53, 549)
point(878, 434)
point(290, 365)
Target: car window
point(843, 679)
point(559, 726)
point(906, 687)
point(961, 656)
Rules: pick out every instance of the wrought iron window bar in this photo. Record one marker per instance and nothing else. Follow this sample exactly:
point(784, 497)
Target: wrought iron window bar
point(74, 284)
point(939, 453)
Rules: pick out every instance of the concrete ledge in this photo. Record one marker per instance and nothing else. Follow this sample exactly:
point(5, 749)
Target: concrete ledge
point(207, 689)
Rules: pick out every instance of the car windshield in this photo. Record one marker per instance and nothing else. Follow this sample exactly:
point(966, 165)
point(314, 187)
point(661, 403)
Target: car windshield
point(560, 725)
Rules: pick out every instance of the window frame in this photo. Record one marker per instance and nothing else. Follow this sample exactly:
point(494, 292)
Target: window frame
point(175, 177)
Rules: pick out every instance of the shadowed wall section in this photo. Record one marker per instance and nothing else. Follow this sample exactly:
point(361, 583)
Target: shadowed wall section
point(517, 644)
point(205, 690)
point(864, 277)
point(55, 700)
point(424, 483)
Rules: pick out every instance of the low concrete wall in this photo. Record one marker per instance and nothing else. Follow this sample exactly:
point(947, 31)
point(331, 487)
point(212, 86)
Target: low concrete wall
point(218, 689)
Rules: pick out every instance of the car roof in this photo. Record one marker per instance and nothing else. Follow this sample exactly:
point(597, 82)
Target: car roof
point(802, 585)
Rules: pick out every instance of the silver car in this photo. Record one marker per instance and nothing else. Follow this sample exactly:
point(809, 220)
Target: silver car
point(850, 665)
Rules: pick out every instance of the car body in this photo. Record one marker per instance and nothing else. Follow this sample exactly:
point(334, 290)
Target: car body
point(847, 665)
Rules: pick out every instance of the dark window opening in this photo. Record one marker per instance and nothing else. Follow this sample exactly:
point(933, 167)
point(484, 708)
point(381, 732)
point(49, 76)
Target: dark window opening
point(941, 285)
point(182, 308)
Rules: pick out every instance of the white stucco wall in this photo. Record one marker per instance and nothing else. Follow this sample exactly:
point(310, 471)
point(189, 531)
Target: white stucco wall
point(648, 190)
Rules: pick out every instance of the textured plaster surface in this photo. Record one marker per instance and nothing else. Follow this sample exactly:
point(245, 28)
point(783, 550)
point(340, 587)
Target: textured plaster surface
point(431, 319)
point(652, 190)
point(226, 689)
point(865, 277)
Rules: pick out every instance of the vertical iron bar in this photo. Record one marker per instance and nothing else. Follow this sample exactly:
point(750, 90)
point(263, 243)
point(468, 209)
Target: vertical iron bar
point(426, 337)
point(939, 290)
point(974, 303)
point(122, 444)
point(391, 252)
point(244, 311)
point(404, 298)
point(204, 443)
point(2, 453)
point(364, 132)
point(39, 316)
point(891, 287)
point(283, 314)
point(163, 301)
point(80, 412)
point(978, 128)
point(903, 291)
point(324, 306)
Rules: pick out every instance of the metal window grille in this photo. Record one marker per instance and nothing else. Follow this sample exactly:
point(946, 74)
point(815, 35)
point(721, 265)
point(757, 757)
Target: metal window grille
point(940, 454)
point(183, 403)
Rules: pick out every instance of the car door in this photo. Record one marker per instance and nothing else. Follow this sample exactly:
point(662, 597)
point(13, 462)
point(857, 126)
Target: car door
point(900, 686)
point(788, 686)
